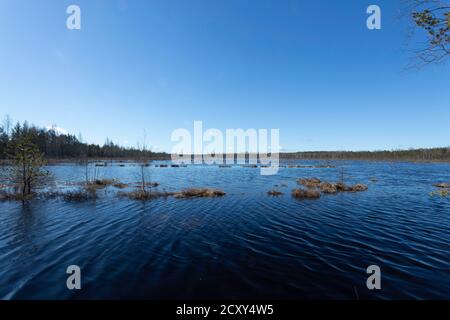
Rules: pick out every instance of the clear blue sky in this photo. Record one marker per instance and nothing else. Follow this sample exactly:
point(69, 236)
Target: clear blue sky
point(310, 68)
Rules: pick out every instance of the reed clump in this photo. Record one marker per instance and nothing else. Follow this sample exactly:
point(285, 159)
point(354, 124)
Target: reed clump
point(16, 196)
point(327, 187)
point(441, 193)
point(442, 185)
point(274, 193)
point(79, 195)
point(141, 195)
point(306, 194)
point(199, 193)
point(99, 184)
point(120, 185)
point(309, 182)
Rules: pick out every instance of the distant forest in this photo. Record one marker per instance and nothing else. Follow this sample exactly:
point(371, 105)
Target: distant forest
point(55, 145)
point(423, 155)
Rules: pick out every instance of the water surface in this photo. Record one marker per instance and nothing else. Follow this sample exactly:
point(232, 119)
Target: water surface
point(244, 245)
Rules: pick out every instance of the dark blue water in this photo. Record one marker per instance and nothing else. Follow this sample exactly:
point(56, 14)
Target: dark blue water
point(244, 245)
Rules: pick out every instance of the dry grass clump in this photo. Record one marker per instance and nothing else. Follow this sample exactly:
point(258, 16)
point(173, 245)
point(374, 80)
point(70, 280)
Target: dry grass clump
point(320, 166)
point(11, 196)
point(342, 187)
point(147, 184)
point(274, 193)
point(305, 194)
point(359, 187)
point(309, 182)
point(327, 187)
point(120, 185)
point(199, 193)
point(145, 195)
point(101, 164)
point(79, 195)
point(105, 182)
point(99, 184)
point(442, 185)
point(441, 192)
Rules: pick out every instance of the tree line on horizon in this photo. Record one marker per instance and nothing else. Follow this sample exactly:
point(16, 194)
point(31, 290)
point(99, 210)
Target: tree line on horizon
point(424, 154)
point(54, 145)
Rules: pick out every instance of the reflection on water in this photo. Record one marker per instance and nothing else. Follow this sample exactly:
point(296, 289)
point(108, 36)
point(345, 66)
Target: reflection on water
point(244, 245)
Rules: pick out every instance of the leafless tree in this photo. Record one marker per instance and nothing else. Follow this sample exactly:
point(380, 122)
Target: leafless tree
point(431, 17)
point(7, 124)
point(144, 162)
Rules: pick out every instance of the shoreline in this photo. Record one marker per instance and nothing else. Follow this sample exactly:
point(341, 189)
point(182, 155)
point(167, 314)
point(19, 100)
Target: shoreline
point(51, 161)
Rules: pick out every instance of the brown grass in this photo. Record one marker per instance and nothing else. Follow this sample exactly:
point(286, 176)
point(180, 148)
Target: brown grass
point(10, 196)
point(327, 187)
point(309, 182)
point(145, 195)
point(274, 193)
point(359, 187)
point(305, 194)
point(311, 166)
point(199, 193)
point(100, 184)
point(79, 196)
point(442, 185)
point(147, 184)
point(441, 192)
point(120, 185)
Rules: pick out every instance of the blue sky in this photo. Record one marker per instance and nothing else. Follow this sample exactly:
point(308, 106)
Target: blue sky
point(310, 68)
